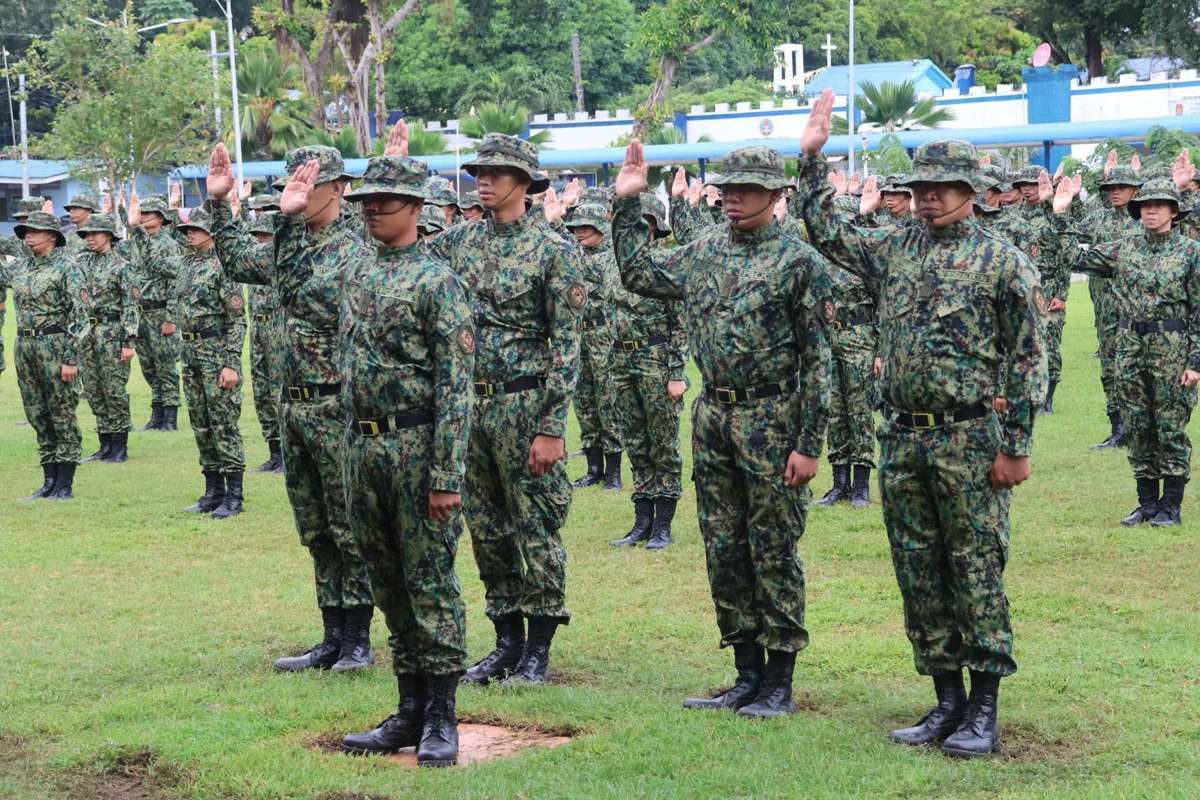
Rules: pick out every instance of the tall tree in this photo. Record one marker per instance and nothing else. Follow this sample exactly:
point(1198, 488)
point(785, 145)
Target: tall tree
point(273, 119)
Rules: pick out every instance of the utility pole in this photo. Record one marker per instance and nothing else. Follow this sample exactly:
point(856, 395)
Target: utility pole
point(12, 120)
point(24, 140)
point(213, 55)
point(578, 71)
point(227, 7)
point(853, 89)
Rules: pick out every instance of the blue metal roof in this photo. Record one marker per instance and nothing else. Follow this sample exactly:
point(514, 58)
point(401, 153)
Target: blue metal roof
point(923, 72)
point(39, 170)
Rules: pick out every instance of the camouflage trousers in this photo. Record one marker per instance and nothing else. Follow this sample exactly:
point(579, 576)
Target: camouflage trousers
point(263, 381)
point(409, 557)
point(105, 378)
point(313, 437)
point(515, 516)
point(598, 425)
point(750, 520)
point(851, 432)
point(49, 403)
point(649, 422)
point(948, 528)
point(1106, 335)
point(158, 356)
point(1157, 408)
point(1055, 321)
point(213, 412)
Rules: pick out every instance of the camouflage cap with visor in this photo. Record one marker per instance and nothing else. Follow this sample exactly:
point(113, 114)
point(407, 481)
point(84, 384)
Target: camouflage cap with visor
point(83, 200)
point(432, 220)
point(441, 192)
point(654, 208)
point(399, 176)
point(502, 150)
point(946, 161)
point(753, 166)
point(1027, 175)
point(470, 200)
point(592, 214)
point(99, 223)
point(40, 221)
point(262, 222)
point(155, 204)
point(997, 178)
point(27, 206)
point(263, 202)
point(329, 160)
point(1121, 176)
point(894, 184)
point(1158, 189)
point(199, 219)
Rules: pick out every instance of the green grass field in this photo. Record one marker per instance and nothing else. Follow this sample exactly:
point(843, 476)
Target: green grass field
point(137, 642)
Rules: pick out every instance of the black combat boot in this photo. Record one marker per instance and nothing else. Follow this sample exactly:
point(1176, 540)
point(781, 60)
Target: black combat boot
point(612, 471)
point(105, 448)
point(1048, 405)
point(275, 461)
point(400, 730)
point(119, 453)
point(595, 470)
point(775, 696)
point(643, 520)
point(156, 417)
point(534, 667)
point(49, 473)
point(660, 529)
point(841, 486)
point(1170, 508)
point(944, 718)
point(498, 664)
point(860, 491)
point(439, 734)
point(1116, 436)
point(232, 501)
point(64, 479)
point(356, 640)
point(979, 732)
point(324, 654)
point(169, 418)
point(214, 493)
point(749, 660)
point(1148, 503)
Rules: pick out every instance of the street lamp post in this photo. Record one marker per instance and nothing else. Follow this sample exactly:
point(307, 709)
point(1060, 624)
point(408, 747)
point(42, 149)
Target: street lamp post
point(850, 101)
point(227, 8)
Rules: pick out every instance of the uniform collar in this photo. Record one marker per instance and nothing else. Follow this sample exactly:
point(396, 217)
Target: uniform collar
point(1159, 239)
point(517, 226)
point(956, 230)
point(760, 234)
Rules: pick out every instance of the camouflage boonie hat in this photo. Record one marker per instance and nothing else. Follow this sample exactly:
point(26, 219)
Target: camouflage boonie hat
point(997, 178)
point(1027, 175)
point(1158, 189)
point(262, 222)
point(99, 223)
point(1121, 176)
point(982, 206)
point(432, 220)
point(502, 150)
point(83, 200)
point(199, 219)
point(597, 195)
point(40, 221)
point(330, 161)
point(27, 206)
point(155, 204)
point(756, 166)
point(470, 200)
point(589, 214)
point(947, 161)
point(441, 192)
point(894, 184)
point(263, 202)
point(399, 176)
point(654, 208)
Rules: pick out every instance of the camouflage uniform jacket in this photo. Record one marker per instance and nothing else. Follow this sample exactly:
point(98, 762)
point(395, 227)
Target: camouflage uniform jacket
point(757, 304)
point(407, 344)
point(10, 245)
point(1046, 251)
point(205, 299)
point(1189, 226)
point(635, 317)
point(527, 295)
point(305, 269)
point(155, 262)
point(599, 272)
point(1009, 225)
point(46, 293)
point(106, 288)
point(955, 304)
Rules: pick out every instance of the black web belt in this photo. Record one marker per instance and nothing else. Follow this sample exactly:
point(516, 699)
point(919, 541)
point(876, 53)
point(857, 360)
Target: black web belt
point(633, 345)
point(924, 420)
point(46, 331)
point(211, 333)
point(485, 389)
point(1152, 326)
point(393, 422)
point(310, 391)
point(728, 396)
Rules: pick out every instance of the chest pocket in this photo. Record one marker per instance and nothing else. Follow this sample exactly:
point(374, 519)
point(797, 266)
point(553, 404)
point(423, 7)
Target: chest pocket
point(513, 297)
point(964, 310)
point(394, 314)
point(40, 284)
point(704, 291)
point(900, 290)
point(757, 316)
point(1170, 286)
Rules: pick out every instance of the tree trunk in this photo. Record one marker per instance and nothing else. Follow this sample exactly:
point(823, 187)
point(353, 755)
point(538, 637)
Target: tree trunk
point(1095, 52)
point(649, 117)
point(578, 65)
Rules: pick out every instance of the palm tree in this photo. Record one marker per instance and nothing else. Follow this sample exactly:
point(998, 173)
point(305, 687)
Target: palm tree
point(509, 118)
point(275, 117)
point(896, 106)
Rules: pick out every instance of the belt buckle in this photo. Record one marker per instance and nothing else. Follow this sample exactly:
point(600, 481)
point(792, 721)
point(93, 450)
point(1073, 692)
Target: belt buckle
point(94, 320)
point(726, 396)
point(485, 389)
point(296, 393)
point(629, 346)
point(369, 427)
point(922, 420)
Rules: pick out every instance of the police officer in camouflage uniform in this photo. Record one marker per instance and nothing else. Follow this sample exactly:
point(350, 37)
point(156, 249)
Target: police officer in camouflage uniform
point(649, 366)
point(314, 246)
point(80, 208)
point(1055, 276)
point(444, 200)
point(757, 302)
point(155, 256)
point(472, 209)
point(527, 296)
point(209, 311)
point(595, 401)
point(432, 222)
point(407, 358)
point(107, 292)
point(51, 324)
point(1154, 280)
point(12, 246)
point(265, 335)
point(956, 304)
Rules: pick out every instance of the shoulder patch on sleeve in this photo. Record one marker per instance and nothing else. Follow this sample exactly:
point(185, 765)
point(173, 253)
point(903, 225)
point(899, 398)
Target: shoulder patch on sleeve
point(466, 340)
point(236, 302)
point(1039, 300)
point(85, 296)
point(830, 312)
point(577, 295)
point(137, 293)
